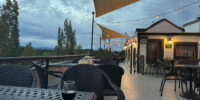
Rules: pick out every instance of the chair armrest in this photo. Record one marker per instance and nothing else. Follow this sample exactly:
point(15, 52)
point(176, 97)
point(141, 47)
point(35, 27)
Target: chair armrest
point(48, 71)
point(34, 80)
point(52, 73)
point(55, 72)
point(117, 90)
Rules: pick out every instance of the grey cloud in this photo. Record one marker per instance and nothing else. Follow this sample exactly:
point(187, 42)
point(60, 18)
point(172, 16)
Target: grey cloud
point(41, 18)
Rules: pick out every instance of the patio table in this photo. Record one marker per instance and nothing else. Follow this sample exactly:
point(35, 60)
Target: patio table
point(22, 93)
point(68, 65)
point(191, 68)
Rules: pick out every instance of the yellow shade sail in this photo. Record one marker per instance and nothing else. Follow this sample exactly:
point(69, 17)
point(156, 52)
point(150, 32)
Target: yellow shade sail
point(109, 34)
point(105, 6)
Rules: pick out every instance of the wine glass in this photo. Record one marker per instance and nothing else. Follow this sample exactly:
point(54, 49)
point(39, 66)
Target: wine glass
point(69, 90)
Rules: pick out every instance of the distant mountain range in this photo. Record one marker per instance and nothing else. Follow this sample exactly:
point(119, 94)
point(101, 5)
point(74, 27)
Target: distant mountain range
point(46, 48)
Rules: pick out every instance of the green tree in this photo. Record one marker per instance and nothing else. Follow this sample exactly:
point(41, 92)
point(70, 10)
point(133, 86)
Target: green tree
point(28, 50)
point(60, 42)
point(14, 45)
point(79, 49)
point(59, 37)
point(9, 32)
point(70, 39)
point(5, 21)
point(66, 30)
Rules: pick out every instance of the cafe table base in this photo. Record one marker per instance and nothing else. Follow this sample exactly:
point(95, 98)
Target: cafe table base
point(188, 95)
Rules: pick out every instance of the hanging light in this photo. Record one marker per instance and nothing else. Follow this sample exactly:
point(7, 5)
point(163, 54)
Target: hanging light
point(107, 35)
point(157, 17)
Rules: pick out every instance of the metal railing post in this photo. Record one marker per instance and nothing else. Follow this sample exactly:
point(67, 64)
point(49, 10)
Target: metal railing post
point(47, 67)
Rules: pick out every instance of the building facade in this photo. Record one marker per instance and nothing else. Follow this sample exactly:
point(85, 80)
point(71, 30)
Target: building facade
point(193, 26)
point(165, 40)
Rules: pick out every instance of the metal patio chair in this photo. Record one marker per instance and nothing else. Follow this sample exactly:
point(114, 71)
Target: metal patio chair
point(91, 79)
point(115, 74)
point(13, 75)
point(168, 75)
point(108, 61)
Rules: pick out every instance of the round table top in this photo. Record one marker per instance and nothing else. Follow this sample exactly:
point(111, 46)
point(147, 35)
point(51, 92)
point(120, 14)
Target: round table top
point(23, 93)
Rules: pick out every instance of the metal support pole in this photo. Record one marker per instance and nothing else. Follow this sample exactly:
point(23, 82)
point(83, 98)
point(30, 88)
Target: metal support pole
point(100, 42)
point(47, 67)
point(92, 32)
point(131, 59)
point(104, 45)
point(134, 52)
point(109, 45)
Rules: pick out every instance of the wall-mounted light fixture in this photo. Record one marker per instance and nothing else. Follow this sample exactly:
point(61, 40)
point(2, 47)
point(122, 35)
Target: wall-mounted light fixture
point(169, 44)
point(170, 41)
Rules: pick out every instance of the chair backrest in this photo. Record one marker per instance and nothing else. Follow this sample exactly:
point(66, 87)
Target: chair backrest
point(41, 75)
point(165, 67)
point(87, 77)
point(115, 74)
point(190, 62)
point(108, 61)
point(16, 76)
point(76, 60)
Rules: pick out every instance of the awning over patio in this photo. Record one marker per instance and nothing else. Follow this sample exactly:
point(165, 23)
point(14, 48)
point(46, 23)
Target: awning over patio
point(105, 6)
point(109, 34)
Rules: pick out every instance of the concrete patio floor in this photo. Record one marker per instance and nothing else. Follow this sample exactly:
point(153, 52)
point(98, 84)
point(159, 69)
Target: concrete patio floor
point(146, 87)
point(140, 87)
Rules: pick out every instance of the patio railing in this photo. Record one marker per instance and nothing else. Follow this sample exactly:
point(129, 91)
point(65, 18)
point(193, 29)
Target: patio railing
point(45, 59)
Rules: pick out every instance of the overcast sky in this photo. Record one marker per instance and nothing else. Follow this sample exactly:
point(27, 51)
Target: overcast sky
point(40, 19)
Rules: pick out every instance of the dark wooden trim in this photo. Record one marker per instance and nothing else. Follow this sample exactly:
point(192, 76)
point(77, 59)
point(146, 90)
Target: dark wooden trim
point(131, 59)
point(138, 53)
point(134, 60)
point(186, 43)
point(192, 22)
point(147, 48)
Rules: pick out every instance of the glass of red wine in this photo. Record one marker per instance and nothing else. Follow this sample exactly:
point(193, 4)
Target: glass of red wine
point(69, 90)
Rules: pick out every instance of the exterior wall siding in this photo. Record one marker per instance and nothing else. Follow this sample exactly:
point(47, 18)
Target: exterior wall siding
point(143, 52)
point(164, 27)
point(193, 27)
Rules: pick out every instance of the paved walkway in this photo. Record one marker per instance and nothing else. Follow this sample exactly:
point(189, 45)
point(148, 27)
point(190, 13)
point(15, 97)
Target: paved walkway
point(146, 87)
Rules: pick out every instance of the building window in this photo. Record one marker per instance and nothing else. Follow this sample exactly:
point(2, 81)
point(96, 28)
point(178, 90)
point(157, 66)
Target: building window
point(186, 50)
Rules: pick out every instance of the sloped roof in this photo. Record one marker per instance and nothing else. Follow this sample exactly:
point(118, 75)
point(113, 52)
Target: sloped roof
point(158, 22)
point(192, 22)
